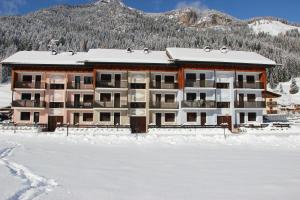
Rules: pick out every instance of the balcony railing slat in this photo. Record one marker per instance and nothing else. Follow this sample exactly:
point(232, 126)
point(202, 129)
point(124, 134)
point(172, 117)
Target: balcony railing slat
point(30, 85)
point(254, 104)
point(109, 84)
point(198, 104)
point(164, 105)
point(200, 83)
point(29, 103)
point(160, 85)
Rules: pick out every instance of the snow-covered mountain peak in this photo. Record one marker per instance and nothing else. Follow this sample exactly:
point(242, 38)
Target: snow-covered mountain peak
point(273, 27)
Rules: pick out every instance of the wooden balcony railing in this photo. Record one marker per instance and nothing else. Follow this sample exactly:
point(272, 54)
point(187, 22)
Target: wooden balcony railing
point(30, 85)
point(79, 86)
point(115, 84)
point(254, 104)
point(198, 104)
point(110, 104)
point(200, 83)
point(85, 105)
point(256, 85)
point(272, 104)
point(160, 85)
point(29, 104)
point(164, 105)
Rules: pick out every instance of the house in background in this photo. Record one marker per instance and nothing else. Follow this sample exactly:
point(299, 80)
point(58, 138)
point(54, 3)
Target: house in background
point(139, 88)
point(271, 102)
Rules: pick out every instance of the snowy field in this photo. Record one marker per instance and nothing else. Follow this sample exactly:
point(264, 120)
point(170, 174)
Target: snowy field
point(257, 164)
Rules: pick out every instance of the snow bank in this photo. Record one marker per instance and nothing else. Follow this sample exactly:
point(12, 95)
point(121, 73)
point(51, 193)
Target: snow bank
point(265, 137)
point(287, 99)
point(5, 94)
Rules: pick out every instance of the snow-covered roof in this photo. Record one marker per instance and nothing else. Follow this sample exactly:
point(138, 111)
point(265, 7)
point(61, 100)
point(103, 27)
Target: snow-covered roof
point(227, 56)
point(124, 56)
point(136, 56)
point(45, 58)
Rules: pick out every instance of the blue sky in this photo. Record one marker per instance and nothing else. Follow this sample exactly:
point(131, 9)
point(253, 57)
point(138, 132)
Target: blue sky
point(243, 9)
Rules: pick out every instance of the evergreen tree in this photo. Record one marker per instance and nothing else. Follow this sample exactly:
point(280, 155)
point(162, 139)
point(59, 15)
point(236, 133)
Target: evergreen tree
point(294, 87)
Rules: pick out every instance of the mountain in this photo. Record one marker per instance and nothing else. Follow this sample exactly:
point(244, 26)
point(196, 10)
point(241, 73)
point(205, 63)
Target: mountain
point(111, 24)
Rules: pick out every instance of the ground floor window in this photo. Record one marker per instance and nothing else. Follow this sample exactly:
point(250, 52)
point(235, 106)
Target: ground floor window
point(25, 116)
point(87, 117)
point(169, 117)
point(105, 117)
point(191, 117)
point(251, 117)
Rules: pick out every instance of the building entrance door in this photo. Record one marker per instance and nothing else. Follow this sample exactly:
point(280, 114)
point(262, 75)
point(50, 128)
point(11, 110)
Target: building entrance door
point(117, 119)
point(53, 121)
point(158, 119)
point(138, 124)
point(76, 119)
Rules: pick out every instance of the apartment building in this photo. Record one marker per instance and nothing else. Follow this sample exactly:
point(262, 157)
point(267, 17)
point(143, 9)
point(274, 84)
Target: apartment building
point(138, 88)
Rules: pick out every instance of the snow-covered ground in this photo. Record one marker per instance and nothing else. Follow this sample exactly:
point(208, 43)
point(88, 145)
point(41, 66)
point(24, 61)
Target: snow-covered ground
point(254, 165)
point(5, 94)
point(271, 26)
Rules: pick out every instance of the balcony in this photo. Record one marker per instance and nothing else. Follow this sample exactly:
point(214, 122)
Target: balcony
point(160, 85)
point(272, 104)
point(79, 86)
point(110, 104)
point(200, 83)
point(29, 104)
point(254, 104)
point(245, 85)
point(30, 85)
point(85, 105)
point(109, 84)
point(198, 104)
point(164, 105)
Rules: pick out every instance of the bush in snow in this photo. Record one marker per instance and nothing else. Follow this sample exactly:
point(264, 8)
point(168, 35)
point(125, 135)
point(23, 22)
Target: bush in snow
point(294, 87)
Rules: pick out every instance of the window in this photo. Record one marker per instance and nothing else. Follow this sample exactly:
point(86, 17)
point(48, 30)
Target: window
point(88, 80)
point(25, 116)
point(169, 79)
point(169, 117)
point(57, 86)
point(251, 117)
point(250, 79)
point(87, 117)
point(106, 77)
point(27, 78)
point(169, 98)
point(137, 85)
point(190, 77)
point(26, 96)
point(104, 117)
point(105, 97)
point(191, 96)
point(203, 96)
point(191, 117)
point(251, 97)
